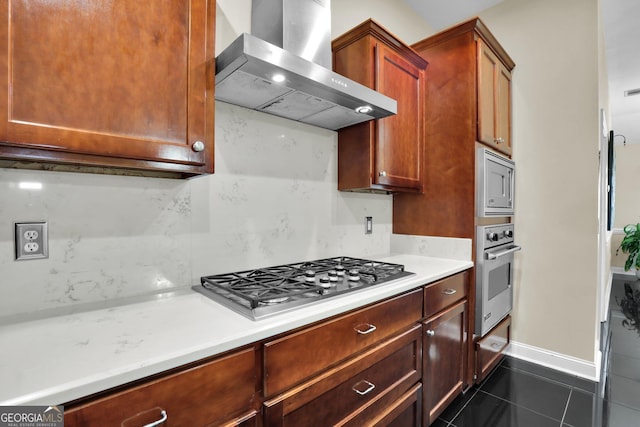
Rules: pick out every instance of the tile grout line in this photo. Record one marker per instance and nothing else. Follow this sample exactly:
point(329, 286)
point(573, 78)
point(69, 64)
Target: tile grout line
point(520, 406)
point(566, 407)
point(450, 423)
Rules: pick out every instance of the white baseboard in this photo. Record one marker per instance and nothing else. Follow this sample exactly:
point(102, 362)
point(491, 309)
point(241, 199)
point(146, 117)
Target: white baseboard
point(561, 362)
point(619, 271)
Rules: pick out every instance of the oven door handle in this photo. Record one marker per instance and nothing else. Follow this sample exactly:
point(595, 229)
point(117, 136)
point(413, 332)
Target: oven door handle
point(495, 255)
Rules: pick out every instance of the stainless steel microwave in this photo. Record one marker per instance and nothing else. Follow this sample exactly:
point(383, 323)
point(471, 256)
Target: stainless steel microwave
point(495, 183)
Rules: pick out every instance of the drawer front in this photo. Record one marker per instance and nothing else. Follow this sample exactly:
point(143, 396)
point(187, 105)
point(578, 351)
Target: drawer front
point(382, 373)
point(210, 393)
point(404, 412)
point(444, 293)
point(297, 357)
point(489, 349)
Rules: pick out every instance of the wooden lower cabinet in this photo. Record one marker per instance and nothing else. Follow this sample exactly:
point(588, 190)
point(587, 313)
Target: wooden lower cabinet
point(398, 362)
point(251, 419)
point(379, 386)
point(490, 348)
point(301, 355)
point(219, 392)
point(444, 359)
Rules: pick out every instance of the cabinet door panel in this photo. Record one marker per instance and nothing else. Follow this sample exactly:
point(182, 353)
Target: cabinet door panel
point(444, 358)
point(487, 65)
point(399, 151)
point(503, 100)
point(108, 80)
point(494, 100)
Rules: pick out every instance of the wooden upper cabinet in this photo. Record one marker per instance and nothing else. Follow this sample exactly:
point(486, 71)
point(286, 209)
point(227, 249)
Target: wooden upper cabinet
point(117, 84)
point(382, 155)
point(494, 100)
point(467, 96)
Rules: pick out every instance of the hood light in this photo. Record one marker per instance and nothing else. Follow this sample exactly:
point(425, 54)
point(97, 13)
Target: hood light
point(364, 109)
point(278, 78)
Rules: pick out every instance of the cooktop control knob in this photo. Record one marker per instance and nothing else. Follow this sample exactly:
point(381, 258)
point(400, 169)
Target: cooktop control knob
point(508, 234)
point(492, 236)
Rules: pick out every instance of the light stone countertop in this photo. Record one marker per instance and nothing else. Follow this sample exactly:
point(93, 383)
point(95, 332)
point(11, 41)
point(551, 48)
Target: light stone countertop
point(58, 359)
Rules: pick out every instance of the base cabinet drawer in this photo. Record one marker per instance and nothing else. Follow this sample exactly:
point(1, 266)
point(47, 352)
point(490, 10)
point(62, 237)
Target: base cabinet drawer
point(213, 393)
point(444, 293)
point(248, 420)
point(297, 357)
point(405, 412)
point(490, 348)
point(355, 392)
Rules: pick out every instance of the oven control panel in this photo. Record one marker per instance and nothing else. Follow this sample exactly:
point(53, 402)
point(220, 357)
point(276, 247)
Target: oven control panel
point(495, 235)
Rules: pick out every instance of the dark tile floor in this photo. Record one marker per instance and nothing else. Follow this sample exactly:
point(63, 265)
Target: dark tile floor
point(523, 394)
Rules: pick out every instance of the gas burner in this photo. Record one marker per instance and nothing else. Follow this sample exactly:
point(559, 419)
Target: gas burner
point(325, 282)
point(267, 291)
point(354, 275)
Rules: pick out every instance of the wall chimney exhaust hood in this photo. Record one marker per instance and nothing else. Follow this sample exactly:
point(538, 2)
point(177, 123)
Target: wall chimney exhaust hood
point(284, 68)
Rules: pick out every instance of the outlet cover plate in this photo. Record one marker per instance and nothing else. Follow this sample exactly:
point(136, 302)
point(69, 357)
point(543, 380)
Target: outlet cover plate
point(31, 240)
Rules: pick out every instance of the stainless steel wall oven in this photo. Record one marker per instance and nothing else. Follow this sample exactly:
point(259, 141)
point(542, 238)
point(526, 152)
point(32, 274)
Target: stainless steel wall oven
point(494, 275)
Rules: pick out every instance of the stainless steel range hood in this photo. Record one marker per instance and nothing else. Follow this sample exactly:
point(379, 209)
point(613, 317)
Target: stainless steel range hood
point(284, 68)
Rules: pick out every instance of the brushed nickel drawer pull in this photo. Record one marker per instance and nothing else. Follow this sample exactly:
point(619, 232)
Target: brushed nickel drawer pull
point(160, 421)
point(369, 328)
point(358, 390)
point(449, 291)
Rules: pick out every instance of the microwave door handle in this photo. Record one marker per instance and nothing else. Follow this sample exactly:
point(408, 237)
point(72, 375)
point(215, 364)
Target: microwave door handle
point(495, 255)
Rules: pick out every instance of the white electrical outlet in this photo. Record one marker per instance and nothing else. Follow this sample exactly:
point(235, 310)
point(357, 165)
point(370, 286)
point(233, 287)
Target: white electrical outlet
point(31, 240)
point(368, 225)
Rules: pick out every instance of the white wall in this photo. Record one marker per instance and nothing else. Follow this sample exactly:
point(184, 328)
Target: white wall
point(273, 199)
point(555, 131)
point(627, 196)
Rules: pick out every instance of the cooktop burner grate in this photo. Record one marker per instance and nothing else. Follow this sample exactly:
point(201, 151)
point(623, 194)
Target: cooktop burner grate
point(264, 291)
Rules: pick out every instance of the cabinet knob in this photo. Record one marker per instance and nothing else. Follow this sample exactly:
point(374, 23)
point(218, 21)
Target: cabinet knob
point(382, 173)
point(430, 332)
point(198, 146)
point(498, 140)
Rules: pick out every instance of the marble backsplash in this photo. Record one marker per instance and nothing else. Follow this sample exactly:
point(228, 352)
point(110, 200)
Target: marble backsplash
point(273, 199)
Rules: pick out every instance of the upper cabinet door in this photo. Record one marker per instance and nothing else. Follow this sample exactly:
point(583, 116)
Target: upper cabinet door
point(399, 143)
point(120, 83)
point(494, 100)
point(384, 155)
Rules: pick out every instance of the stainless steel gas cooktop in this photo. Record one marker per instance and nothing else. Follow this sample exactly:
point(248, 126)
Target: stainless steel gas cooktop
point(267, 291)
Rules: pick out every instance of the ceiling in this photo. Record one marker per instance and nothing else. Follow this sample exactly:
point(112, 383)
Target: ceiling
point(622, 50)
